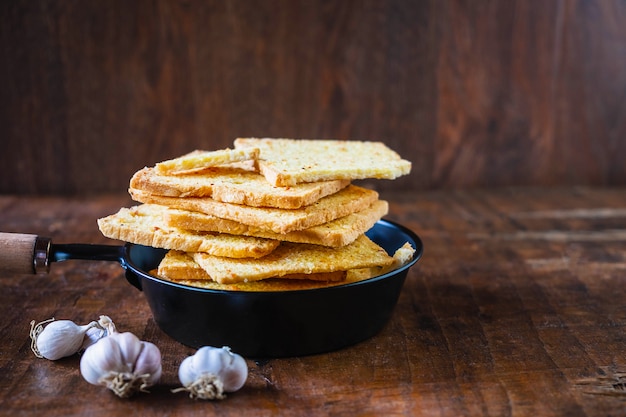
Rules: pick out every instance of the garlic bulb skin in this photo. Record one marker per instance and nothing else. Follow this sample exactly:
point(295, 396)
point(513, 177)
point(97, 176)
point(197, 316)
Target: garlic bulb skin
point(58, 339)
point(122, 363)
point(212, 371)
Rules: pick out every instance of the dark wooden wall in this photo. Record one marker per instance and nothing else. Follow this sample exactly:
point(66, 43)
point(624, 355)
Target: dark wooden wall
point(476, 93)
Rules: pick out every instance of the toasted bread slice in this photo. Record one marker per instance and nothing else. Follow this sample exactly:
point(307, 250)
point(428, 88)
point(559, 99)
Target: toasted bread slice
point(145, 226)
point(347, 201)
point(270, 284)
point(177, 265)
point(199, 160)
point(287, 162)
point(335, 233)
point(183, 270)
point(401, 256)
point(295, 258)
point(231, 185)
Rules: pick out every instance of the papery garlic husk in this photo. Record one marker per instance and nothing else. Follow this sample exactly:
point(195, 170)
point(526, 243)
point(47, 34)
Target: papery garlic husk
point(211, 372)
point(122, 363)
point(104, 328)
point(92, 336)
point(58, 339)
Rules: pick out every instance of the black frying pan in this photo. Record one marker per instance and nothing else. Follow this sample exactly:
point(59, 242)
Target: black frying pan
point(253, 324)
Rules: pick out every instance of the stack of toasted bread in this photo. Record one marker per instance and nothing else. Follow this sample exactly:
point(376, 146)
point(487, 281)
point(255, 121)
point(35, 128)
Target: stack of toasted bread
point(269, 214)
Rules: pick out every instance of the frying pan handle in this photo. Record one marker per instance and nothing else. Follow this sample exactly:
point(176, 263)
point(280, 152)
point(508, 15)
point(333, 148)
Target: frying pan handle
point(23, 253)
point(30, 254)
point(64, 252)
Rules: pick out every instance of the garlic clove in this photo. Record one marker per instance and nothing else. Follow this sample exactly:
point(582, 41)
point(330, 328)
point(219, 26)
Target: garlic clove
point(236, 371)
point(58, 339)
point(149, 363)
point(99, 359)
point(187, 373)
point(130, 348)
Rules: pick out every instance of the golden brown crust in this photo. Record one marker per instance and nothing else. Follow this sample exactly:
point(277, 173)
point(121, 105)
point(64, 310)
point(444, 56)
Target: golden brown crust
point(347, 201)
point(286, 162)
point(143, 226)
point(181, 268)
point(177, 265)
point(232, 185)
point(270, 215)
point(198, 160)
point(335, 233)
point(295, 258)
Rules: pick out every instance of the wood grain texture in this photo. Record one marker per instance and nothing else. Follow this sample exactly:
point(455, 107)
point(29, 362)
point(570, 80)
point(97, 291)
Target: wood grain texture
point(517, 308)
point(474, 93)
point(531, 93)
point(17, 252)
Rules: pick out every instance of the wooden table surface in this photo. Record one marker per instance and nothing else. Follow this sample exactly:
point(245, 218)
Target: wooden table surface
point(518, 307)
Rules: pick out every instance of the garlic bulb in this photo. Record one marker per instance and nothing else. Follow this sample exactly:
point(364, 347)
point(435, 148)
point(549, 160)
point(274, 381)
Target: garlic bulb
point(122, 363)
point(58, 339)
point(212, 371)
